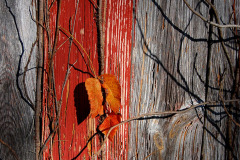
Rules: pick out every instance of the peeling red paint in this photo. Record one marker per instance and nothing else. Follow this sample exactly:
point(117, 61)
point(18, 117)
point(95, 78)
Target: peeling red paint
point(118, 61)
point(75, 125)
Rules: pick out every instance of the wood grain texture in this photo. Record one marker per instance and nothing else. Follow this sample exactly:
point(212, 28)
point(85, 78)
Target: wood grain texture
point(17, 34)
point(76, 127)
point(118, 44)
point(169, 60)
point(79, 138)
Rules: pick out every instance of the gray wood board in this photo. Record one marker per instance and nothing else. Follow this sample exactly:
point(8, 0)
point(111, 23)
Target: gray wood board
point(17, 34)
point(169, 59)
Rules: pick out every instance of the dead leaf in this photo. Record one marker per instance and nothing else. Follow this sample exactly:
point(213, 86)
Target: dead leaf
point(113, 90)
point(93, 87)
point(111, 120)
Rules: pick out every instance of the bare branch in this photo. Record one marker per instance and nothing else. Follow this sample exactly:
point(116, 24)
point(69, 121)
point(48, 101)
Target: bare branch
point(210, 22)
point(25, 72)
point(158, 114)
point(72, 37)
point(10, 148)
point(221, 38)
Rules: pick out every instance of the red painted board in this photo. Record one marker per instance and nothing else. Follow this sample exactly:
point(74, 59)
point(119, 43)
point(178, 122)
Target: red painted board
point(75, 125)
point(118, 41)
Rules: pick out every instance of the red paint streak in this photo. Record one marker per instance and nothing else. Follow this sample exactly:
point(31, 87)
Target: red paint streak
point(118, 41)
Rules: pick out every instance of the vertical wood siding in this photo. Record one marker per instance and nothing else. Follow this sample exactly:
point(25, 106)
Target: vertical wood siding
point(118, 44)
point(157, 49)
point(75, 126)
point(17, 36)
point(169, 63)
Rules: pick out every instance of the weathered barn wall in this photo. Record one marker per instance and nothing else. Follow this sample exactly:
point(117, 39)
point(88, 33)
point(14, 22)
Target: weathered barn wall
point(17, 35)
point(169, 72)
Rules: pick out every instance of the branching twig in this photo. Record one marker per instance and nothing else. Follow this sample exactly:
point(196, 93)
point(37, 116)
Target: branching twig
point(221, 38)
point(51, 4)
point(216, 25)
point(158, 114)
point(46, 141)
point(64, 83)
point(25, 72)
point(225, 108)
point(36, 21)
point(72, 37)
point(210, 22)
point(57, 28)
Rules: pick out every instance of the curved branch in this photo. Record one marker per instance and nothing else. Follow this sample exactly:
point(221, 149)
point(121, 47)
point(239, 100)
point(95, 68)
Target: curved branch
point(159, 114)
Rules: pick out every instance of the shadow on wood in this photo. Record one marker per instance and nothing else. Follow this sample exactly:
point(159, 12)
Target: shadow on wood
point(81, 102)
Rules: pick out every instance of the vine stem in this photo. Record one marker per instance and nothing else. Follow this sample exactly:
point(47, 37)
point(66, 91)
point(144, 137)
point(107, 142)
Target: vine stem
point(65, 79)
point(85, 52)
point(225, 108)
point(39, 80)
point(221, 38)
point(10, 148)
point(210, 22)
point(57, 29)
point(158, 114)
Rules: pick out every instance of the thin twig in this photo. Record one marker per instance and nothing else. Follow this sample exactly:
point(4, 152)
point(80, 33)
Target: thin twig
point(51, 51)
point(210, 22)
point(158, 114)
point(72, 37)
point(154, 152)
point(221, 38)
point(46, 141)
point(225, 108)
point(101, 25)
point(36, 21)
point(39, 79)
point(10, 148)
point(25, 72)
point(64, 83)
point(57, 28)
point(51, 4)
point(62, 44)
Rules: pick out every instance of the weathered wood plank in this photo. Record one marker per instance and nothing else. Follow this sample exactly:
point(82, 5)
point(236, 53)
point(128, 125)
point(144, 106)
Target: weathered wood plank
point(17, 36)
point(169, 65)
point(118, 44)
point(75, 126)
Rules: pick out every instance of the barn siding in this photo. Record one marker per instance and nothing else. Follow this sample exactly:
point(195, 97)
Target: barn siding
point(17, 36)
point(75, 125)
point(169, 61)
point(118, 44)
point(168, 70)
